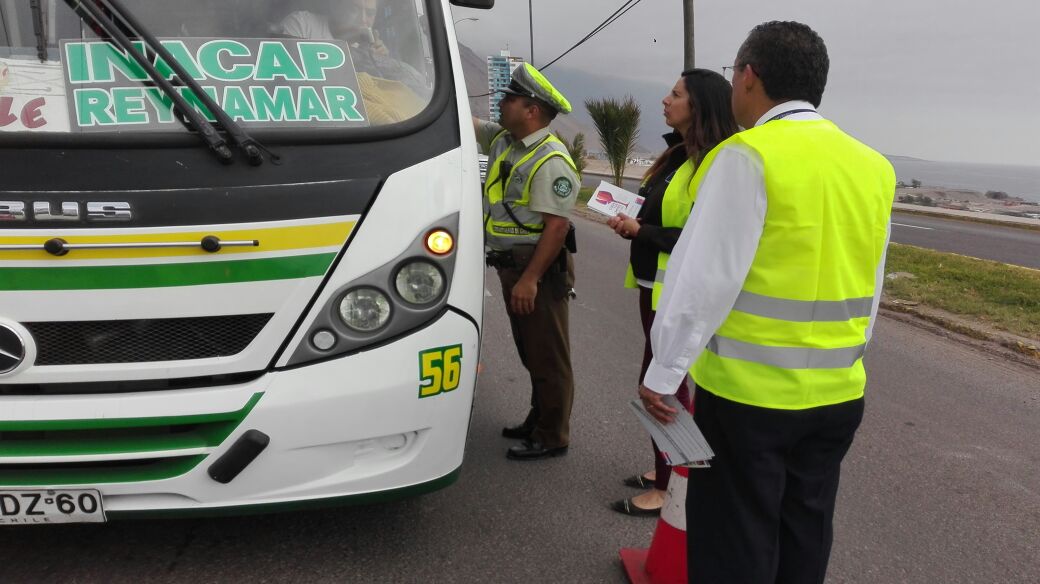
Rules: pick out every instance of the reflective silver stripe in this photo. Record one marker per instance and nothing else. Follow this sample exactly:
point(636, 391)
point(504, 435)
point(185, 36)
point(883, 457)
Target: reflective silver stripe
point(803, 310)
point(660, 277)
point(786, 357)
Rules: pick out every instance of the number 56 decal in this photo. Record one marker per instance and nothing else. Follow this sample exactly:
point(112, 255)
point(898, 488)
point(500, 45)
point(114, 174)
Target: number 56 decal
point(439, 370)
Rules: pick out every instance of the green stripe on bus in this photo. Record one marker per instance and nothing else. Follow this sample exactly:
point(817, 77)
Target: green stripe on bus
point(56, 476)
point(111, 436)
point(124, 423)
point(164, 275)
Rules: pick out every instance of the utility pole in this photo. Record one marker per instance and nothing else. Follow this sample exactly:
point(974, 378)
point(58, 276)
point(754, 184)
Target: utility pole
point(530, 17)
point(688, 35)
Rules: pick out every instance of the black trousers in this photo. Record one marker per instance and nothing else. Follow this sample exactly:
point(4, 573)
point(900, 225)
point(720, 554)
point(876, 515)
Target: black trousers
point(763, 512)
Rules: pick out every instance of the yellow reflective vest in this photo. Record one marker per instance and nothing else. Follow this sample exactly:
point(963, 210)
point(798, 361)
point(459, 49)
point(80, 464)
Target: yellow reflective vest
point(502, 231)
point(676, 205)
point(795, 337)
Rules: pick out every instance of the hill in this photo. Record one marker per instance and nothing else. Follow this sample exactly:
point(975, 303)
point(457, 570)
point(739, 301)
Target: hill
point(474, 69)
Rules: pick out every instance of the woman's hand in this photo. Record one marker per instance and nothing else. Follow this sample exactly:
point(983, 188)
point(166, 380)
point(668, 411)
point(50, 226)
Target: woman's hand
point(624, 225)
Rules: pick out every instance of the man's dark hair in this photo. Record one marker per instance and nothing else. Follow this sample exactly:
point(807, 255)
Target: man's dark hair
point(789, 58)
point(548, 112)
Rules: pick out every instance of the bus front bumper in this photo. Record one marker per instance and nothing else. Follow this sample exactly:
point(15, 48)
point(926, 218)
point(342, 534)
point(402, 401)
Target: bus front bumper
point(354, 429)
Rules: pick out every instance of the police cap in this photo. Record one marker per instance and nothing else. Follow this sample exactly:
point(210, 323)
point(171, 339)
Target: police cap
point(529, 82)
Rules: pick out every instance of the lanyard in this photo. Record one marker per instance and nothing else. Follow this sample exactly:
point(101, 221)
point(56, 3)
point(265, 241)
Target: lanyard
point(783, 115)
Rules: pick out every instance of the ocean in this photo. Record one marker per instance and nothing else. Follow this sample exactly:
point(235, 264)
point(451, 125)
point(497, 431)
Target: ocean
point(1017, 181)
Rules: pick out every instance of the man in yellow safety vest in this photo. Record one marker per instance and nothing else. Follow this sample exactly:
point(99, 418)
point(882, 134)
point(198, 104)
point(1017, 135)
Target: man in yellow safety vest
point(768, 302)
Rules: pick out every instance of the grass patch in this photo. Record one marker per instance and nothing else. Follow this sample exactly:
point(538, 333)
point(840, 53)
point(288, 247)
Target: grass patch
point(1005, 297)
point(585, 194)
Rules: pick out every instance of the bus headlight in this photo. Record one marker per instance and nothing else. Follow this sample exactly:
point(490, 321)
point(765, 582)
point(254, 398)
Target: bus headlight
point(419, 282)
point(364, 309)
point(394, 298)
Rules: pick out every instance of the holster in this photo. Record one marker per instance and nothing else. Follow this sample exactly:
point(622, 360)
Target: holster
point(571, 242)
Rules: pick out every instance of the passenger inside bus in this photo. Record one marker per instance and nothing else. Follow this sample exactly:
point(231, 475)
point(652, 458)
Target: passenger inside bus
point(392, 89)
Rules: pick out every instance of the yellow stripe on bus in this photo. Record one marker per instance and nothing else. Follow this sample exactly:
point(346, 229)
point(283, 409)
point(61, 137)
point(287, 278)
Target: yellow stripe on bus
point(296, 237)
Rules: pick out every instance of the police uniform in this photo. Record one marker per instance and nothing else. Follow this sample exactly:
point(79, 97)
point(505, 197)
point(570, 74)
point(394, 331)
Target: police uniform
point(528, 177)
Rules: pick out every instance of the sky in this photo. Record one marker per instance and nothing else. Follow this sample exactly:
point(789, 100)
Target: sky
point(947, 80)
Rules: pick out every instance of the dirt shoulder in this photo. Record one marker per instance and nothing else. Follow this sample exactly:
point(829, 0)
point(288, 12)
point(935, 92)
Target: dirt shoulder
point(967, 331)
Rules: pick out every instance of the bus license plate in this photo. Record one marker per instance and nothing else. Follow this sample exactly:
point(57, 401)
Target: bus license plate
point(31, 507)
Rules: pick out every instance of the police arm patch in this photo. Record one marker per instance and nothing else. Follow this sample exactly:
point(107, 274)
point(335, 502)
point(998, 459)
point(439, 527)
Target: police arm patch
point(562, 187)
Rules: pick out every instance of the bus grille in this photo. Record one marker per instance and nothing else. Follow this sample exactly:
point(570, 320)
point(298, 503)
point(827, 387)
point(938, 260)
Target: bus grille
point(140, 341)
point(110, 450)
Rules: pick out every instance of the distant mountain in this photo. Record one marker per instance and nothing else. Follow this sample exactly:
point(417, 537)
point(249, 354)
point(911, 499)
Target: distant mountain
point(576, 85)
point(579, 85)
point(474, 69)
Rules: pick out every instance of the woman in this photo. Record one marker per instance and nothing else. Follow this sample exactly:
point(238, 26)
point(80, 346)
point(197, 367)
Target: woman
point(698, 110)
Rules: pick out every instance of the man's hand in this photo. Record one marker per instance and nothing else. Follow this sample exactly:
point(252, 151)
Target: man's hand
point(379, 48)
point(546, 251)
point(521, 298)
point(655, 406)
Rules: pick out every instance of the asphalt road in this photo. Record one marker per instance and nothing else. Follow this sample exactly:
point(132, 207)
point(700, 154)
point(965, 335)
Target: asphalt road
point(1009, 245)
point(942, 484)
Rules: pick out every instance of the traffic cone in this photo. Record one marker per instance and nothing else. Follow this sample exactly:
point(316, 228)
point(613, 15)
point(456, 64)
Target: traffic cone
point(665, 561)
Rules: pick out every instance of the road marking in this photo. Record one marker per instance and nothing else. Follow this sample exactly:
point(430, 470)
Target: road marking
point(914, 226)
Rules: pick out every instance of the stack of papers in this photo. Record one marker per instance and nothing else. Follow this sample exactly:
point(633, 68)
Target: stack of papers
point(681, 442)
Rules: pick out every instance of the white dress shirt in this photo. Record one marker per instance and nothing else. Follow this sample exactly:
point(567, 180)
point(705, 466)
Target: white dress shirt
point(713, 256)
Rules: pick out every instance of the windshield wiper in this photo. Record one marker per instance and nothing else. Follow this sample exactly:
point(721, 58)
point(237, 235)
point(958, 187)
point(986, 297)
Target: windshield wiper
point(41, 33)
point(251, 147)
point(93, 13)
point(192, 118)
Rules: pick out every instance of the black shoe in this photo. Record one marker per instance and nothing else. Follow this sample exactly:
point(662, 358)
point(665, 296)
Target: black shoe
point(628, 507)
point(529, 450)
point(518, 432)
point(638, 482)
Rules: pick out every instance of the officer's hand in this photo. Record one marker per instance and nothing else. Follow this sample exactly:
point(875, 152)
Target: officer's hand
point(521, 299)
point(625, 226)
point(655, 406)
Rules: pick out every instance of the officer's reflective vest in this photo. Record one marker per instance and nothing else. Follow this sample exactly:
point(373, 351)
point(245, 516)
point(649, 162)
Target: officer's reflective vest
point(796, 335)
point(503, 232)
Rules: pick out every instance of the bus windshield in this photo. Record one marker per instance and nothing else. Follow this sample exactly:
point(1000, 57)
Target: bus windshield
point(314, 64)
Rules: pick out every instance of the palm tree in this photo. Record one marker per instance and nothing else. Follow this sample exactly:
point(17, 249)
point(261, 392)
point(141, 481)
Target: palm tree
point(576, 148)
point(617, 123)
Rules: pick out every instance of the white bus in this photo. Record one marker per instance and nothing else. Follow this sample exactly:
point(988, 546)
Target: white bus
point(241, 255)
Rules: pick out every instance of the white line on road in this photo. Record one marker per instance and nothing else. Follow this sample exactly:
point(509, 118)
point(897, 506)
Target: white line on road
point(914, 226)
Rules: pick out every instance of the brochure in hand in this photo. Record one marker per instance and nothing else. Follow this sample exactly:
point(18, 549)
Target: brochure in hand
point(611, 200)
point(681, 442)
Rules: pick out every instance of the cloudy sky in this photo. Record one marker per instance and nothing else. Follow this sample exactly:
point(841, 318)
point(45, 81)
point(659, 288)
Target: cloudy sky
point(938, 79)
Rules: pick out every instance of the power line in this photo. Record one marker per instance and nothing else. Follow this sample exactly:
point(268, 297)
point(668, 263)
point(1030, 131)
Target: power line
point(628, 5)
point(621, 11)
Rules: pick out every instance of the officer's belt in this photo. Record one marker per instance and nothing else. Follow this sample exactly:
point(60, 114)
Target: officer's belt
point(508, 260)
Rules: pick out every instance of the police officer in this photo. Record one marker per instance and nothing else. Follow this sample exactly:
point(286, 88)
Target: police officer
point(530, 190)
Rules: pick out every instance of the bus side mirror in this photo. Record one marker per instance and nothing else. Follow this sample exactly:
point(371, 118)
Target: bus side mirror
point(482, 4)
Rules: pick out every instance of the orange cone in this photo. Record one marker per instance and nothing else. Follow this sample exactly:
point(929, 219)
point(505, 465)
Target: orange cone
point(665, 561)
